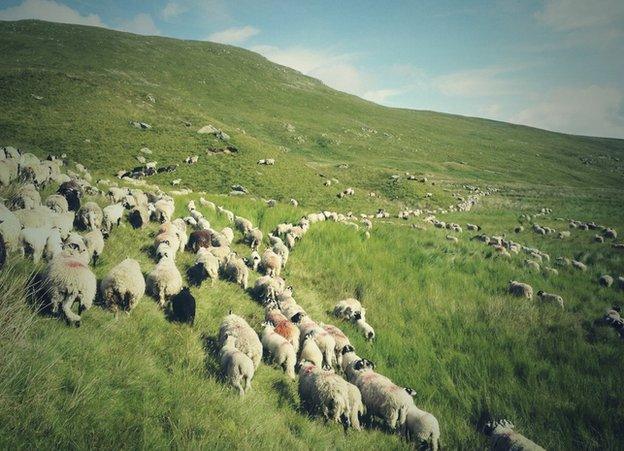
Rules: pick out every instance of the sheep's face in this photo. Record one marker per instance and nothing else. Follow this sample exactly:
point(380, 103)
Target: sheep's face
point(410, 391)
point(347, 349)
point(297, 317)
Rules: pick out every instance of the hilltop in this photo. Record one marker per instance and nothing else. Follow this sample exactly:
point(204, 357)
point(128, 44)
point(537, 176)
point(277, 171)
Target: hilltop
point(444, 322)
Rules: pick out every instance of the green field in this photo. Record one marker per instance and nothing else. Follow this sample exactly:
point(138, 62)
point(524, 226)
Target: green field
point(444, 323)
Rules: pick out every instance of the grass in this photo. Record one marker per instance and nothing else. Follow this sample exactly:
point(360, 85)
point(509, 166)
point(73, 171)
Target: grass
point(444, 323)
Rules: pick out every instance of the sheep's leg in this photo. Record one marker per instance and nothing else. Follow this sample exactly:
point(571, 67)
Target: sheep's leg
point(161, 297)
point(69, 314)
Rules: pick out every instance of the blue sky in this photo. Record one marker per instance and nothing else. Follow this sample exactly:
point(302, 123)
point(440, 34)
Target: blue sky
point(554, 64)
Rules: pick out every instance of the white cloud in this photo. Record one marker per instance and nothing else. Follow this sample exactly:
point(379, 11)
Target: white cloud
point(566, 15)
point(142, 23)
point(381, 95)
point(234, 35)
point(49, 10)
point(334, 69)
point(592, 110)
point(476, 83)
point(172, 10)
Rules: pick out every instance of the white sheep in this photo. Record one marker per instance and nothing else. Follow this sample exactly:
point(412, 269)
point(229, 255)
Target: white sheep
point(520, 289)
point(164, 281)
point(504, 438)
point(67, 279)
point(94, 240)
point(236, 270)
point(549, 297)
point(283, 326)
point(365, 328)
point(54, 244)
point(271, 262)
point(422, 428)
point(253, 237)
point(228, 233)
point(247, 340)
point(27, 197)
point(280, 349)
point(243, 225)
point(10, 228)
point(254, 260)
point(341, 341)
point(90, 216)
point(237, 368)
point(207, 264)
point(57, 203)
point(163, 210)
point(111, 217)
point(123, 286)
point(309, 350)
point(380, 395)
point(33, 242)
point(280, 249)
point(207, 203)
point(346, 308)
point(324, 340)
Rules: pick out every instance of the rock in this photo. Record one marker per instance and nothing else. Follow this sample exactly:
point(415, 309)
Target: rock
point(208, 130)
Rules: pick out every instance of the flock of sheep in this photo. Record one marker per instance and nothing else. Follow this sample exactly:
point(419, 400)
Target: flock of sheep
point(333, 381)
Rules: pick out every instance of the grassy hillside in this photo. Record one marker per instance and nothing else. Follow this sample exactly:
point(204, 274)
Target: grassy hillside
point(444, 323)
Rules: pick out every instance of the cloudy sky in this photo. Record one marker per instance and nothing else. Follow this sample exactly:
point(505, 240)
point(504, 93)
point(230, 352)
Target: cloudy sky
point(554, 64)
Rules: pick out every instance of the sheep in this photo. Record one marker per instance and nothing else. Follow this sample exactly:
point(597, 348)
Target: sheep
point(310, 351)
point(346, 308)
point(57, 203)
point(520, 289)
point(365, 328)
point(324, 340)
point(183, 307)
point(271, 263)
point(237, 368)
point(563, 261)
point(67, 279)
point(605, 280)
point(253, 237)
point(179, 228)
point(202, 224)
point(284, 327)
point(422, 428)
point(579, 265)
point(549, 297)
point(247, 340)
point(341, 341)
point(380, 395)
point(164, 209)
point(504, 438)
point(164, 281)
point(111, 217)
point(610, 233)
point(33, 242)
point(598, 239)
point(280, 249)
point(254, 260)
point(10, 228)
point(348, 356)
point(531, 264)
point(72, 192)
point(8, 172)
point(266, 288)
point(117, 195)
point(293, 202)
point(27, 197)
point(199, 239)
point(243, 225)
point(206, 265)
point(221, 252)
point(325, 393)
point(227, 213)
point(236, 270)
point(473, 227)
point(280, 349)
point(550, 271)
point(94, 240)
point(207, 203)
point(90, 216)
point(169, 238)
point(123, 286)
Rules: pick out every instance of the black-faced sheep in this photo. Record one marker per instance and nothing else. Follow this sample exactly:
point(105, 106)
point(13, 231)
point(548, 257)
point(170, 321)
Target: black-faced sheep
point(253, 238)
point(504, 438)
point(605, 280)
point(324, 340)
point(123, 286)
point(67, 279)
point(365, 328)
point(549, 297)
point(72, 192)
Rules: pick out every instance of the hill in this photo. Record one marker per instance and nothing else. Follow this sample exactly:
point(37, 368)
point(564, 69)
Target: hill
point(445, 325)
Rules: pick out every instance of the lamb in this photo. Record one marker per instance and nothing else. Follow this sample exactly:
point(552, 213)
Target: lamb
point(325, 393)
point(605, 280)
point(272, 263)
point(90, 216)
point(253, 237)
point(549, 297)
point(284, 327)
point(237, 368)
point(236, 270)
point(67, 279)
point(57, 203)
point(550, 271)
point(422, 428)
point(380, 395)
point(365, 328)
point(227, 213)
point(94, 240)
point(520, 289)
point(206, 265)
point(33, 242)
point(164, 281)
point(199, 239)
point(183, 307)
point(280, 349)
point(247, 340)
point(324, 340)
point(504, 438)
point(207, 203)
point(346, 308)
point(228, 233)
point(123, 286)
point(111, 217)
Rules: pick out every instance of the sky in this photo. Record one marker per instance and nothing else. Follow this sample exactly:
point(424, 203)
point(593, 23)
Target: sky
point(553, 64)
